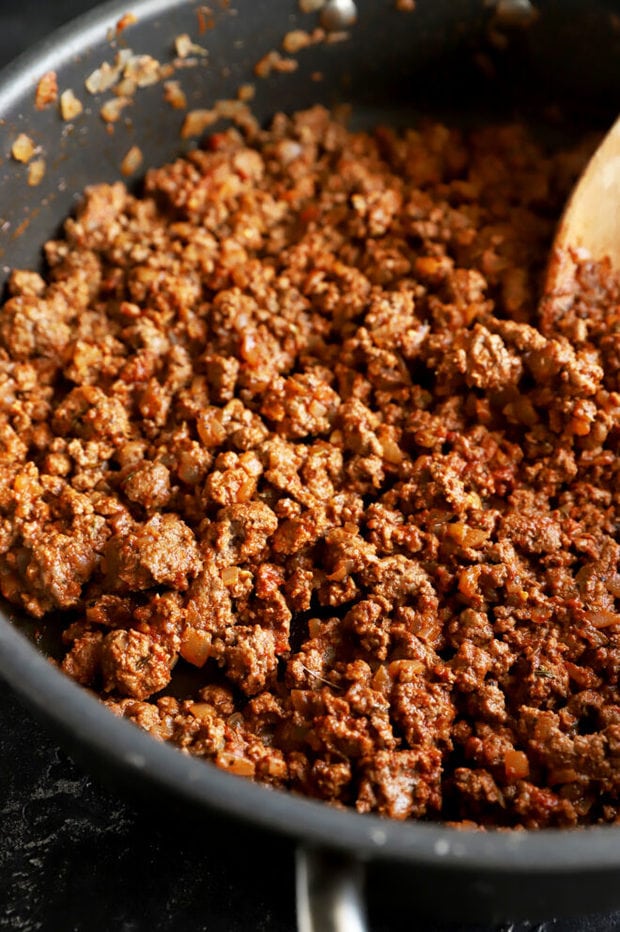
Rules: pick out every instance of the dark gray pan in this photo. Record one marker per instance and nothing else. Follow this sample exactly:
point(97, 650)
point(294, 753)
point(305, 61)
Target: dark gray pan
point(396, 66)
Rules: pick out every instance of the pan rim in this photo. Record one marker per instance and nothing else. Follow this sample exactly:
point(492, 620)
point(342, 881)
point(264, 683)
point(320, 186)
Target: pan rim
point(79, 714)
point(85, 719)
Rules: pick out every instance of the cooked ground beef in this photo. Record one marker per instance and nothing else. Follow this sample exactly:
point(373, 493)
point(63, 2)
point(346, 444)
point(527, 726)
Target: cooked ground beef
point(295, 417)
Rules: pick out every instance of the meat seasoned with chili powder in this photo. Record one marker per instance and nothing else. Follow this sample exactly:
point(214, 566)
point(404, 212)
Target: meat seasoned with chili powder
point(294, 417)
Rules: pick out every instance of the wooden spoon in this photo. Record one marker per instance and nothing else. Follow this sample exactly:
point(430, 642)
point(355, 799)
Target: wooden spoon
point(590, 225)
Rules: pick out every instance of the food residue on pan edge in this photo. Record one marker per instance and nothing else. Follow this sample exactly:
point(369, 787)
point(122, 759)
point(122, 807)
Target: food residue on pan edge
point(293, 418)
point(46, 91)
point(132, 161)
point(70, 105)
point(36, 172)
point(129, 72)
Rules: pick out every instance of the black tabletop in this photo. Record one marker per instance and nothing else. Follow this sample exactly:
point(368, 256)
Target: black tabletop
point(77, 857)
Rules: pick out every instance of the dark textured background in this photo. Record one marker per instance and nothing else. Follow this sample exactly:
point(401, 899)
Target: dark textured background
point(75, 857)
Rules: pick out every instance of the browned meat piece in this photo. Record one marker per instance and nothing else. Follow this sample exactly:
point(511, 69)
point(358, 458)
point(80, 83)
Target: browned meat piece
point(134, 664)
point(83, 662)
point(241, 532)
point(161, 551)
point(401, 784)
point(250, 657)
point(488, 363)
point(301, 406)
point(148, 484)
point(28, 328)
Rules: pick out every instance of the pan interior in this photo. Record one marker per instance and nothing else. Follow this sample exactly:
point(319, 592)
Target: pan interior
point(396, 69)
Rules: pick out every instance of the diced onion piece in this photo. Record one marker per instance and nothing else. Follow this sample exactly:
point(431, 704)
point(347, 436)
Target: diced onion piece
point(203, 711)
point(175, 95)
point(210, 430)
point(70, 106)
point(195, 646)
point(602, 619)
point(342, 569)
point(104, 77)
point(295, 40)
point(382, 681)
point(132, 161)
point(184, 46)
point(22, 149)
point(197, 121)
point(239, 765)
point(273, 61)
point(562, 775)
point(517, 765)
point(230, 575)
point(392, 453)
point(111, 110)
point(613, 585)
point(47, 91)
point(127, 19)
point(36, 171)
point(276, 768)
point(246, 92)
point(143, 69)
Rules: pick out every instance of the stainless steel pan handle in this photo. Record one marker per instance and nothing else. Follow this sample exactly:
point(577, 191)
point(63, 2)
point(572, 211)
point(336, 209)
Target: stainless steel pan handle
point(329, 891)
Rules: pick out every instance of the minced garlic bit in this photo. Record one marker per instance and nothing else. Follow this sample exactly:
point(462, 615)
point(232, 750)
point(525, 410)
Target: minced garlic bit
point(47, 91)
point(111, 110)
point(273, 61)
point(132, 161)
point(175, 95)
point(197, 121)
point(184, 46)
point(246, 92)
point(36, 171)
point(233, 110)
point(70, 106)
point(104, 77)
point(130, 72)
point(126, 87)
point(23, 148)
point(143, 69)
point(299, 39)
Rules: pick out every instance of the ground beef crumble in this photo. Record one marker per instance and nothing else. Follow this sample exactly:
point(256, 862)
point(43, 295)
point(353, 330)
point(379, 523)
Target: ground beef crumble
point(295, 418)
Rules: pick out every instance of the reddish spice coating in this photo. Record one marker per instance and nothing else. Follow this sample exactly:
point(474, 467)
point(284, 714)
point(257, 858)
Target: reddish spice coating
point(294, 418)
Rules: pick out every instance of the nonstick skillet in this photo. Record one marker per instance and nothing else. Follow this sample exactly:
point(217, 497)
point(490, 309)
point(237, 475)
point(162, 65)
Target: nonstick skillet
point(439, 59)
